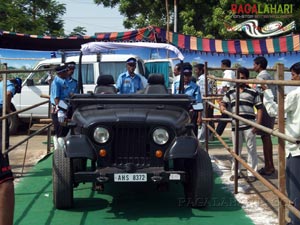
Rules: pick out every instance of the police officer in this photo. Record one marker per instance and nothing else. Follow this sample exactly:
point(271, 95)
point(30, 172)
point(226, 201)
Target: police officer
point(62, 87)
point(13, 87)
point(130, 82)
point(72, 83)
point(193, 90)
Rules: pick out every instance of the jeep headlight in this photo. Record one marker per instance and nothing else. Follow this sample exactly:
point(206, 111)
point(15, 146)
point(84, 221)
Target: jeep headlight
point(160, 136)
point(101, 135)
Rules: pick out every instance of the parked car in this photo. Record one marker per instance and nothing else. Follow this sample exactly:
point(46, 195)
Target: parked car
point(37, 83)
point(131, 138)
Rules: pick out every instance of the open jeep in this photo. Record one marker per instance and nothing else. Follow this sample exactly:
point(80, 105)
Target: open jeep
point(131, 138)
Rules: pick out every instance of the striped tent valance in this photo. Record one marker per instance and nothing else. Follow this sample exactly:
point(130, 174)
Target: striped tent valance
point(278, 45)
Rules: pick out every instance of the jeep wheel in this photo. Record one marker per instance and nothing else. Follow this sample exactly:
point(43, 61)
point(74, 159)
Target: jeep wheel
point(62, 180)
point(199, 183)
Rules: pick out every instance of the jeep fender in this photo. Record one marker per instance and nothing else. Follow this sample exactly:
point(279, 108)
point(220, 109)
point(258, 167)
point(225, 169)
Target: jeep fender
point(183, 147)
point(79, 146)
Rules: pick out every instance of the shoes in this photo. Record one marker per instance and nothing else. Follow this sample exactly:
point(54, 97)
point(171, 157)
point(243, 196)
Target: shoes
point(263, 172)
point(251, 179)
point(231, 178)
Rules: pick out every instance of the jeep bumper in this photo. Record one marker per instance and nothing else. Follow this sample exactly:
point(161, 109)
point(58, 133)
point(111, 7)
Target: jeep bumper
point(112, 174)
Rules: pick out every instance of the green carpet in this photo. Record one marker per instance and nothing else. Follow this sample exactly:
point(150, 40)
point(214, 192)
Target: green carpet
point(119, 204)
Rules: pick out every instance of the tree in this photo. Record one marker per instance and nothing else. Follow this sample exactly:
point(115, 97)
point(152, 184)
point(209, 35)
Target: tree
point(78, 31)
point(202, 18)
point(32, 16)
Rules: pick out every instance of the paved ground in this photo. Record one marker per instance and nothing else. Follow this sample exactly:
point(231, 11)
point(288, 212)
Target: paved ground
point(29, 153)
point(257, 200)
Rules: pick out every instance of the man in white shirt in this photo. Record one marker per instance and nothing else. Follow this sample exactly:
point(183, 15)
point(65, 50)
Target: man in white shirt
point(292, 128)
point(225, 86)
point(228, 74)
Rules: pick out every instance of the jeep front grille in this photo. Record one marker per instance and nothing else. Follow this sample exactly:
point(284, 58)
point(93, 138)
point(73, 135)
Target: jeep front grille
point(131, 145)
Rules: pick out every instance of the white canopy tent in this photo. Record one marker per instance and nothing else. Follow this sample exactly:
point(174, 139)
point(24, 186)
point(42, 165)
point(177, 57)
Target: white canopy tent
point(96, 47)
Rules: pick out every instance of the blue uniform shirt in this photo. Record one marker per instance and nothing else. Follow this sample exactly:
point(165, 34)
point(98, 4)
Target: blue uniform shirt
point(127, 84)
point(9, 87)
point(62, 88)
point(191, 89)
point(72, 86)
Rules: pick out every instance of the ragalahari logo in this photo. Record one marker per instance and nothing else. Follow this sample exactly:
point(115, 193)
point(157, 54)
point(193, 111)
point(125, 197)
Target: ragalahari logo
point(251, 11)
point(251, 28)
point(262, 9)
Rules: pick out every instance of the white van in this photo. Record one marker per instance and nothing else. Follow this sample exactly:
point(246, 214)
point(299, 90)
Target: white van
point(36, 83)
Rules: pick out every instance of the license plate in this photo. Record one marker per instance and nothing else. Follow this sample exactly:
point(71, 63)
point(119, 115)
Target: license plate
point(174, 176)
point(130, 177)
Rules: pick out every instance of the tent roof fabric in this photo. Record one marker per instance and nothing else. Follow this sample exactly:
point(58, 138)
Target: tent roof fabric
point(283, 44)
point(20, 41)
point(278, 45)
point(95, 47)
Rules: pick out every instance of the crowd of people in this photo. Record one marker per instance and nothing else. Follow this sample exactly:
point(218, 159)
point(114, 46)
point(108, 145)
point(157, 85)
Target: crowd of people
point(263, 98)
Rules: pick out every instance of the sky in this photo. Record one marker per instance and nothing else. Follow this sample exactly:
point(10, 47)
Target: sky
point(86, 13)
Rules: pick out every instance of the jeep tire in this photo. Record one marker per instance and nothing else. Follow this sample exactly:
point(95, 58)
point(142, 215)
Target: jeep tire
point(62, 180)
point(199, 180)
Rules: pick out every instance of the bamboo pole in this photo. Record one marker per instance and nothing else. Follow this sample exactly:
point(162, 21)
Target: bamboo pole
point(28, 137)
point(212, 97)
point(236, 134)
point(35, 59)
point(168, 20)
point(23, 110)
point(206, 105)
point(281, 147)
point(255, 81)
point(24, 71)
point(265, 129)
point(216, 119)
point(4, 105)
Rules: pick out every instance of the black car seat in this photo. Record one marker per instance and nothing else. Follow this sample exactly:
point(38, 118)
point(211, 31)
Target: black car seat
point(105, 85)
point(156, 84)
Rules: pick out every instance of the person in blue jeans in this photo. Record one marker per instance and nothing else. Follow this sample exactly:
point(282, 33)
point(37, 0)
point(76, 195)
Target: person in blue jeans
point(193, 90)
